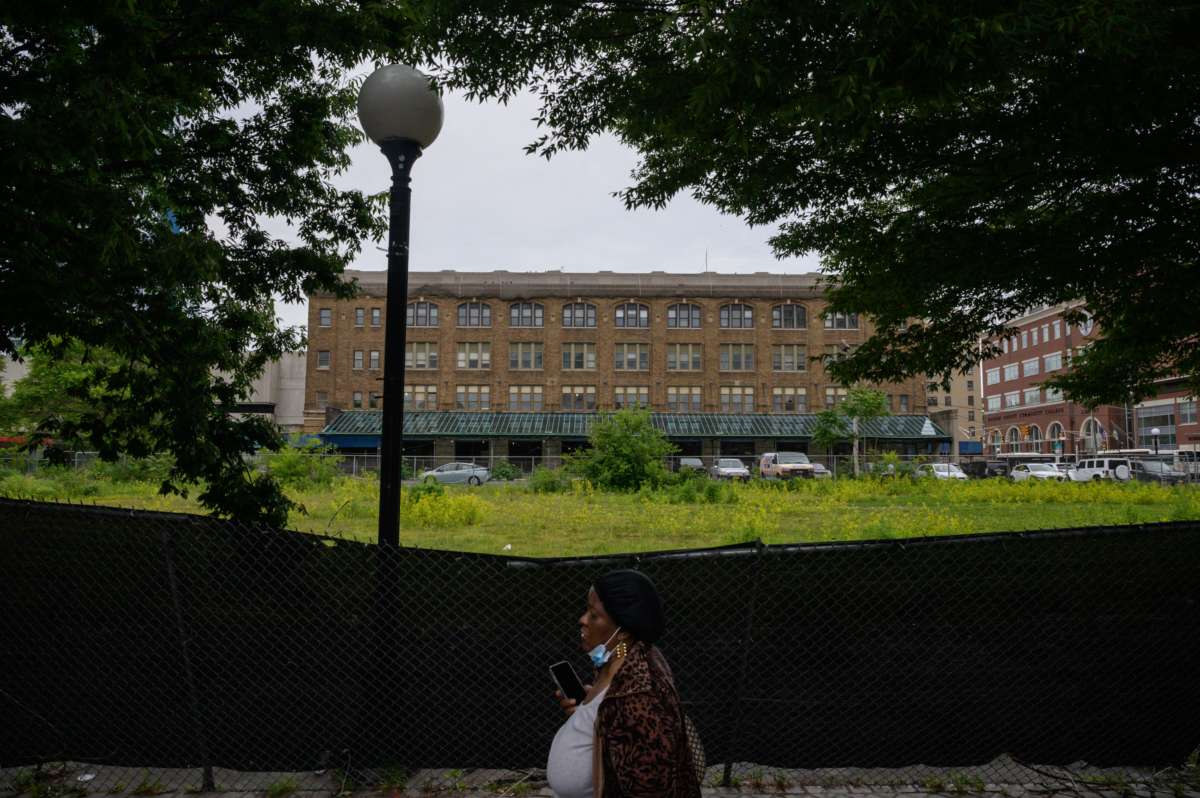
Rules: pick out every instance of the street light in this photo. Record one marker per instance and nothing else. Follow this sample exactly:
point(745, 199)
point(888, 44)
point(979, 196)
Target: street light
point(1155, 432)
point(400, 111)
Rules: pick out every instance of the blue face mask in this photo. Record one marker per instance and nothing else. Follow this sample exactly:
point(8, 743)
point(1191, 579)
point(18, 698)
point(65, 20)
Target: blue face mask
point(600, 654)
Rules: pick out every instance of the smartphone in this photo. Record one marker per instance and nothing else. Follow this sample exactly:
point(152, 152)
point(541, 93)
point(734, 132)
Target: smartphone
point(566, 679)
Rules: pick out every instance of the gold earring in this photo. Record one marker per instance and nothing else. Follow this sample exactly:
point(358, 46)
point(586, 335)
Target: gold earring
point(621, 650)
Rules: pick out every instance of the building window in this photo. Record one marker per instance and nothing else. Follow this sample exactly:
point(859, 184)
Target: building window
point(971, 417)
point(579, 314)
point(1057, 329)
point(1054, 432)
point(1161, 417)
point(326, 317)
point(835, 353)
point(631, 314)
point(576, 356)
point(841, 321)
point(685, 357)
point(418, 355)
point(1030, 367)
point(1011, 371)
point(993, 376)
point(579, 397)
point(1053, 394)
point(419, 314)
point(789, 400)
point(374, 359)
point(373, 399)
point(1012, 399)
point(360, 317)
point(1033, 396)
point(835, 396)
point(903, 403)
point(358, 359)
point(631, 396)
point(971, 432)
point(683, 398)
point(356, 399)
point(474, 314)
point(474, 355)
point(737, 399)
point(526, 314)
point(737, 357)
point(1005, 345)
point(322, 400)
point(631, 357)
point(970, 385)
point(376, 317)
point(993, 403)
point(931, 401)
point(789, 357)
point(789, 317)
point(683, 316)
point(1033, 339)
point(473, 397)
point(525, 397)
point(1187, 412)
point(420, 397)
point(525, 356)
point(323, 358)
point(737, 316)
point(1053, 362)
point(971, 400)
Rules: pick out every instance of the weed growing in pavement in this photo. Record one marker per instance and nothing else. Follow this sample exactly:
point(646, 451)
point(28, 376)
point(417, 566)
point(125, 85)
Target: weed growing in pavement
point(756, 780)
point(117, 788)
point(962, 782)
point(148, 787)
point(782, 782)
point(933, 784)
point(392, 777)
point(282, 788)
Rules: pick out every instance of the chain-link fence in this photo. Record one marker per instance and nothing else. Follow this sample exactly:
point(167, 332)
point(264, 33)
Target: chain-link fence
point(149, 651)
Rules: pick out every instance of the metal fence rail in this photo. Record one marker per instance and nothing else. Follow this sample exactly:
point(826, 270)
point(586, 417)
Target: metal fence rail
point(181, 648)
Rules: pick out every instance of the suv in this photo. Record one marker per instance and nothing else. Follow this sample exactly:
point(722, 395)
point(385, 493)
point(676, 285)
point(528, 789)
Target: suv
point(785, 465)
point(690, 464)
point(1093, 468)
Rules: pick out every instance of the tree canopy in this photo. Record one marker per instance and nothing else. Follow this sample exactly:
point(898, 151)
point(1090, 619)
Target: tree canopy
point(144, 149)
point(954, 163)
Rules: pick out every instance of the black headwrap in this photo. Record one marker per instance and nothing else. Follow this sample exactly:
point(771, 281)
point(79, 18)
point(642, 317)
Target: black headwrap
point(633, 603)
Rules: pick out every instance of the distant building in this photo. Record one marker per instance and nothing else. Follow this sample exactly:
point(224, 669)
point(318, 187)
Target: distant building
point(959, 411)
point(279, 392)
point(518, 360)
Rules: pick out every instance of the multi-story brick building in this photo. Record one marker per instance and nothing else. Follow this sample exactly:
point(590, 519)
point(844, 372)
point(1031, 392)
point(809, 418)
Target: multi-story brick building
point(958, 409)
point(508, 342)
point(1023, 416)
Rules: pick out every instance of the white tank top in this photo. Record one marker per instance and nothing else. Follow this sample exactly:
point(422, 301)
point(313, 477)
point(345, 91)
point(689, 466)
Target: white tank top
point(569, 768)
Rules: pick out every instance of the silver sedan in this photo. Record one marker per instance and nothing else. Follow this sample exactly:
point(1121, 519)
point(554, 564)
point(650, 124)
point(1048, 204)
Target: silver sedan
point(457, 472)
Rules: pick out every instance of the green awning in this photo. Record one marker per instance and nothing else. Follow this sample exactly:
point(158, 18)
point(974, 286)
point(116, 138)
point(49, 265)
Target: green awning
point(430, 424)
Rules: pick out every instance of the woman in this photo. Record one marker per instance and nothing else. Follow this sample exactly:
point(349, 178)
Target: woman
point(629, 736)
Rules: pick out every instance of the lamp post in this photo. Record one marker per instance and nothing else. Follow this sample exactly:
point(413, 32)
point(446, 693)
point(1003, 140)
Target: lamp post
point(1155, 432)
point(399, 111)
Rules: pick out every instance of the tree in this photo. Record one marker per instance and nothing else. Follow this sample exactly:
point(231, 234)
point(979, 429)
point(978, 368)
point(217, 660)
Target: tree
point(954, 163)
point(627, 451)
point(52, 393)
point(144, 150)
point(845, 421)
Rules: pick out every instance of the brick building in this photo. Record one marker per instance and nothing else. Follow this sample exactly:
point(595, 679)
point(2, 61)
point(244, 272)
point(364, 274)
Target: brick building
point(1023, 416)
point(503, 343)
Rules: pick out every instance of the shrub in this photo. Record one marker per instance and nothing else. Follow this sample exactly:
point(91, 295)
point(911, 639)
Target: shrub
point(413, 494)
point(504, 470)
point(155, 468)
point(302, 465)
point(548, 480)
point(627, 452)
point(446, 510)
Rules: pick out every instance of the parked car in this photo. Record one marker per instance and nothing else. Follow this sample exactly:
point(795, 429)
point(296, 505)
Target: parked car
point(1023, 472)
point(940, 471)
point(1156, 471)
point(785, 465)
point(690, 464)
point(730, 468)
point(981, 469)
point(821, 472)
point(451, 473)
point(1096, 468)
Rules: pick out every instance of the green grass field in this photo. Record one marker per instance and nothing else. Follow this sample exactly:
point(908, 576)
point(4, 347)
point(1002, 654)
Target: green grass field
point(585, 521)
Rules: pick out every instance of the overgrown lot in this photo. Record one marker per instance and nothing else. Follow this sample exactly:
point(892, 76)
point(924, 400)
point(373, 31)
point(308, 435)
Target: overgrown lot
point(568, 518)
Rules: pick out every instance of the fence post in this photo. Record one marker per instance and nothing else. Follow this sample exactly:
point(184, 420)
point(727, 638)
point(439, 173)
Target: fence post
point(744, 647)
point(199, 738)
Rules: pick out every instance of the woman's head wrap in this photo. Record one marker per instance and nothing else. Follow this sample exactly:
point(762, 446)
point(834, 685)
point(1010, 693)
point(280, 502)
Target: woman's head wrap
point(632, 602)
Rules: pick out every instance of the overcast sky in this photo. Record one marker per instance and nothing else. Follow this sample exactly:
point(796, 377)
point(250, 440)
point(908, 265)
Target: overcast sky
point(481, 203)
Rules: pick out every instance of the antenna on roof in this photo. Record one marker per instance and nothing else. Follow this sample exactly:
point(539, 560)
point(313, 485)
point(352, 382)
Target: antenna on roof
point(706, 260)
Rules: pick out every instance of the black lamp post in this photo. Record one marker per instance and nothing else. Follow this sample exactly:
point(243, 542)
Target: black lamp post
point(1155, 432)
point(400, 111)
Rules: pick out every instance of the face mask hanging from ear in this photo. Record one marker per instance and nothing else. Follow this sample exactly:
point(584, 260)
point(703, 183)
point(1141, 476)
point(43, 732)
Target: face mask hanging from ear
point(600, 654)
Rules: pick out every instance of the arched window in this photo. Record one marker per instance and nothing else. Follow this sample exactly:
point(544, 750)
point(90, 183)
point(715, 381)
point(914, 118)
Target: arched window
point(419, 314)
point(1055, 434)
point(1014, 439)
point(789, 317)
point(474, 314)
point(631, 314)
point(996, 440)
point(1092, 434)
point(1034, 438)
point(683, 315)
point(841, 321)
point(737, 316)
point(579, 314)
point(526, 314)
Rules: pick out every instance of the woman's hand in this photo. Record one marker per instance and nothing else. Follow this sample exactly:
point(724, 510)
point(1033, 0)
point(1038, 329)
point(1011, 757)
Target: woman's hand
point(569, 705)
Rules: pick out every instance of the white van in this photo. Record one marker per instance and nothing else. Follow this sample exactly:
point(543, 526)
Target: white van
point(1093, 468)
point(785, 465)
